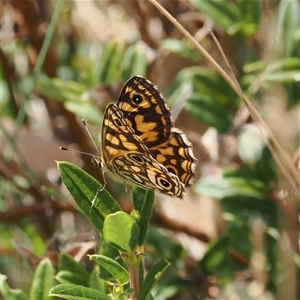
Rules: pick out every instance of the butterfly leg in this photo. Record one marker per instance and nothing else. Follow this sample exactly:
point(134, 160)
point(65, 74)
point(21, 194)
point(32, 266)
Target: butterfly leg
point(94, 199)
point(104, 181)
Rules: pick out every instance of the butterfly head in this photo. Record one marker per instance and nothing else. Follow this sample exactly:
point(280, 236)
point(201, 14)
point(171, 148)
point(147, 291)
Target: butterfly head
point(97, 160)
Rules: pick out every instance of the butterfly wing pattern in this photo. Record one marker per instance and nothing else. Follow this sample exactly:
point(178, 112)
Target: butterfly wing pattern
point(124, 154)
point(144, 106)
point(140, 144)
point(177, 156)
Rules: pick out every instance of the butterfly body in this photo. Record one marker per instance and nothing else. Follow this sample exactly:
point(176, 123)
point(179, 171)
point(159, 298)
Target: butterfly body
point(141, 146)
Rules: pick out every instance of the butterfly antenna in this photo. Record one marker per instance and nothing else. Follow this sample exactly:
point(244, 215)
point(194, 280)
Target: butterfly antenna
point(97, 160)
point(77, 151)
point(87, 130)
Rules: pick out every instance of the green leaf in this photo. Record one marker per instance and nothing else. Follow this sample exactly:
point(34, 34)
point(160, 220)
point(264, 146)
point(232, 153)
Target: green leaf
point(263, 170)
point(152, 278)
point(134, 62)
point(43, 280)
point(208, 96)
point(109, 251)
point(61, 90)
point(143, 201)
point(181, 47)
point(249, 18)
point(73, 94)
point(66, 276)
point(256, 66)
point(90, 73)
point(288, 23)
point(231, 187)
point(203, 81)
point(71, 271)
point(138, 198)
point(121, 231)
point(284, 64)
point(117, 271)
point(250, 11)
point(211, 113)
point(242, 29)
point(222, 12)
point(21, 181)
point(231, 253)
point(163, 246)
point(76, 292)
point(65, 72)
point(213, 84)
point(171, 287)
point(285, 70)
point(10, 294)
point(95, 202)
point(218, 258)
point(141, 274)
point(287, 76)
point(67, 262)
point(245, 208)
point(86, 111)
point(200, 81)
point(37, 243)
point(110, 61)
point(96, 282)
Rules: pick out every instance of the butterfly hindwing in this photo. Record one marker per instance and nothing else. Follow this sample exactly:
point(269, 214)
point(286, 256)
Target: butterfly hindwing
point(177, 156)
point(144, 171)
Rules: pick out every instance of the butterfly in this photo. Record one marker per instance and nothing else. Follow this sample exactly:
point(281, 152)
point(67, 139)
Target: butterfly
point(141, 146)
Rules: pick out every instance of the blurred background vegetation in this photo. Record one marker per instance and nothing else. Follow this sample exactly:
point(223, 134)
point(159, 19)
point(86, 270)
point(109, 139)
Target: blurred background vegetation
point(235, 235)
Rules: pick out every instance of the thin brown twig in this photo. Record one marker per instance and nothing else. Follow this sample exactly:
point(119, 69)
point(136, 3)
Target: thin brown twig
point(266, 140)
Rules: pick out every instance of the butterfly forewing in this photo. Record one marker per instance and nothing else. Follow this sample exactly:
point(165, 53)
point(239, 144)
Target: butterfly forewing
point(118, 137)
point(145, 108)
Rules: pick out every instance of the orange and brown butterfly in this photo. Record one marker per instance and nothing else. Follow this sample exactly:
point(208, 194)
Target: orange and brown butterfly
point(140, 143)
point(141, 146)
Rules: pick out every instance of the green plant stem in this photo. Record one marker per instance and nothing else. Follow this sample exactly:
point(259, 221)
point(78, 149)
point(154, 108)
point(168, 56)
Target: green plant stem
point(48, 38)
point(134, 280)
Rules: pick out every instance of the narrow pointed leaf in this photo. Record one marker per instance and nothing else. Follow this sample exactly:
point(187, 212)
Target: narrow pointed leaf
point(61, 90)
point(152, 278)
point(43, 280)
point(88, 193)
point(66, 276)
point(117, 271)
point(143, 201)
point(10, 294)
point(76, 292)
point(67, 262)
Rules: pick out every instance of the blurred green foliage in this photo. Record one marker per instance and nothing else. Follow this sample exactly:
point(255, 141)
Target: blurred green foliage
point(245, 191)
